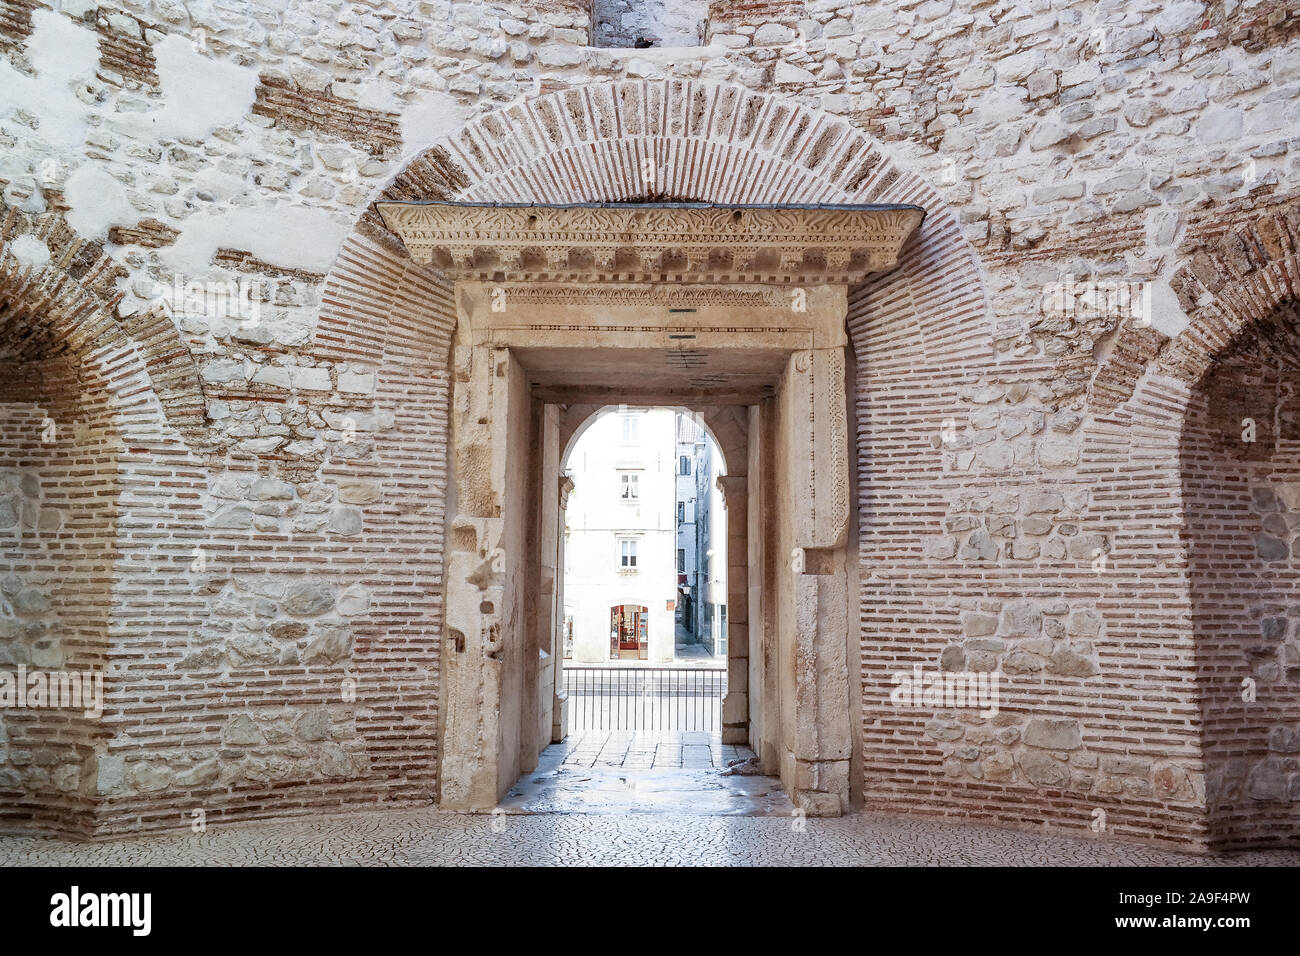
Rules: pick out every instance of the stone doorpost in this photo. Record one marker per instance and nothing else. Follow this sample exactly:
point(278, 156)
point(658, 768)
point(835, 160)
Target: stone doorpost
point(735, 706)
point(821, 739)
point(560, 709)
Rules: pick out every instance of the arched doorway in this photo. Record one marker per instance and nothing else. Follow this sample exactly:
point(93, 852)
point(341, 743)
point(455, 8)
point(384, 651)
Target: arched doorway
point(1240, 466)
point(87, 537)
point(1192, 438)
point(646, 523)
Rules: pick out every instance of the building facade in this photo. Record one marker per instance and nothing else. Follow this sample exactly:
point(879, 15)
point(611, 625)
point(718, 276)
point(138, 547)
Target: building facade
point(701, 540)
point(991, 307)
point(619, 575)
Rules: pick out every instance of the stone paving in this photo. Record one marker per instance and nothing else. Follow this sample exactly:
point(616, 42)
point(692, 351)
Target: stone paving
point(431, 837)
point(602, 772)
point(659, 750)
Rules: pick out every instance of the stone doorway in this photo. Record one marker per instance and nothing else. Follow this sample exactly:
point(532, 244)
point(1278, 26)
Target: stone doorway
point(738, 312)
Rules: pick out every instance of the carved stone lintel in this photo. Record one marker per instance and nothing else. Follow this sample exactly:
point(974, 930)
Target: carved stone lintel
point(557, 258)
point(806, 244)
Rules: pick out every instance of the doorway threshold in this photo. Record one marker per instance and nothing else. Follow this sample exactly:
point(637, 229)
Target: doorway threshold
point(603, 772)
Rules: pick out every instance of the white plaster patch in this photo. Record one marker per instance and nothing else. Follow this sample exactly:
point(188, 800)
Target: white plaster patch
point(78, 8)
point(432, 118)
point(30, 251)
point(200, 93)
point(98, 201)
point(380, 95)
point(60, 52)
point(292, 236)
point(1167, 314)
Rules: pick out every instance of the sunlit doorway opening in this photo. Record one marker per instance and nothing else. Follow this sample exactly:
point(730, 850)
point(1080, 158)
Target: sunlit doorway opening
point(643, 536)
point(645, 568)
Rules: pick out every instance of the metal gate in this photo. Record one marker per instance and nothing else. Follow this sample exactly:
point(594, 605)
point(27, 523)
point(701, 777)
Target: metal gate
point(681, 699)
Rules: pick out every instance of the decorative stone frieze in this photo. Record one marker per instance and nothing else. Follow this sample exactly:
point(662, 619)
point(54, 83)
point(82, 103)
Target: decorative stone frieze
point(681, 242)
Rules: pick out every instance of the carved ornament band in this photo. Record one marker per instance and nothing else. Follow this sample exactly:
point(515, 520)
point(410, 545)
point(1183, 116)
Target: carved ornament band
point(653, 242)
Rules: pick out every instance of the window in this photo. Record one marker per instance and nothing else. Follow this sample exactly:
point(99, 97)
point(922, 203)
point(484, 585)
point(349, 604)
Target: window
point(685, 468)
point(627, 554)
point(629, 486)
point(631, 426)
point(681, 512)
point(681, 560)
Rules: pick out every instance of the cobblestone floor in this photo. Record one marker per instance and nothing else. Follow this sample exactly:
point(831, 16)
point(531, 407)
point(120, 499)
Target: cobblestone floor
point(432, 837)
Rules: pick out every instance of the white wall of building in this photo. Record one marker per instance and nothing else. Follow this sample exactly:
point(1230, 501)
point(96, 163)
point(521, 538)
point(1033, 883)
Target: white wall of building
point(638, 442)
point(701, 534)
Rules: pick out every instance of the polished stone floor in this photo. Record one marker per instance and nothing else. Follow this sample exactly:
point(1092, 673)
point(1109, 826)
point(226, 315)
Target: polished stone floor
point(609, 773)
point(658, 750)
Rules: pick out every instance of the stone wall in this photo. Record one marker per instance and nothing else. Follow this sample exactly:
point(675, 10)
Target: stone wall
point(1022, 510)
point(648, 23)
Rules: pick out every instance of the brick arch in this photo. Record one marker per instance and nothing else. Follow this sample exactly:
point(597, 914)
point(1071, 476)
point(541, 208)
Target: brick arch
point(1224, 287)
point(1227, 288)
point(91, 405)
point(67, 307)
point(720, 142)
point(687, 140)
point(1139, 452)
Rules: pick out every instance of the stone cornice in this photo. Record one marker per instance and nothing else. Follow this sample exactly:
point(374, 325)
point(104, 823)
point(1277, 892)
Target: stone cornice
point(653, 242)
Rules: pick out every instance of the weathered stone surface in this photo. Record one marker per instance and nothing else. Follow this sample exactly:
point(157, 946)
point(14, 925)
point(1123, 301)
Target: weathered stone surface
point(1271, 549)
point(308, 600)
point(242, 731)
point(1268, 780)
point(331, 646)
point(1054, 733)
point(1021, 619)
point(977, 624)
point(359, 493)
point(1042, 770)
point(1069, 662)
point(313, 725)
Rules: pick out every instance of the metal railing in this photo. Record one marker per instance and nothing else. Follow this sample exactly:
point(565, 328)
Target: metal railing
point(681, 699)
